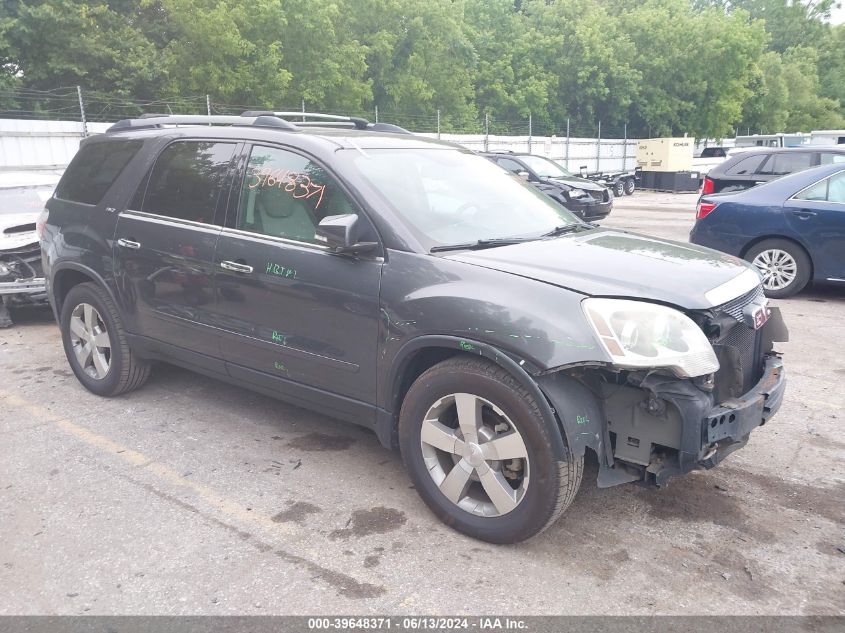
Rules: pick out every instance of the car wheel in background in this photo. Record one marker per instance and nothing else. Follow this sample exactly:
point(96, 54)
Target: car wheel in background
point(619, 188)
point(785, 266)
point(95, 343)
point(480, 454)
point(630, 186)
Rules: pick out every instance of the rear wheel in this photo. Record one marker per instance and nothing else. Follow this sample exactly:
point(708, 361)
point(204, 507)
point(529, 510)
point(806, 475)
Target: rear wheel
point(630, 186)
point(480, 454)
point(619, 188)
point(95, 343)
point(785, 266)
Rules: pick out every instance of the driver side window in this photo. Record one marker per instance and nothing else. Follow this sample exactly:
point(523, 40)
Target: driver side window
point(286, 195)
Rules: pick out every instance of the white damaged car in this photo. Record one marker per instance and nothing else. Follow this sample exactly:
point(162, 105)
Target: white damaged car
point(22, 198)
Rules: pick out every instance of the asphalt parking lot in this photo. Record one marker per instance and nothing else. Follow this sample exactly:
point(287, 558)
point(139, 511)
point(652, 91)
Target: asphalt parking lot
point(193, 497)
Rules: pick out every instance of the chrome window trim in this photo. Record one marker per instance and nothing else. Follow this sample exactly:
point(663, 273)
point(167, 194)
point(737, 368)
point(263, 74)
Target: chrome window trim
point(165, 219)
point(272, 238)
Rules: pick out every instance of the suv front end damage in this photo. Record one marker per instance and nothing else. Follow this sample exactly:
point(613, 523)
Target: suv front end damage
point(650, 425)
point(21, 280)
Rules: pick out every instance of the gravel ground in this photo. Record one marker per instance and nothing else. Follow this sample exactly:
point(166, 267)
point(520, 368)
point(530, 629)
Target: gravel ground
point(193, 497)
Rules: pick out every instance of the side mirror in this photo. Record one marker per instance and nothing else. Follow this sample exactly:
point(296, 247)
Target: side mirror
point(340, 234)
point(524, 175)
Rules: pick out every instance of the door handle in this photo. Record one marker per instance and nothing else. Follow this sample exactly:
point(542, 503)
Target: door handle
point(804, 214)
point(236, 267)
point(129, 244)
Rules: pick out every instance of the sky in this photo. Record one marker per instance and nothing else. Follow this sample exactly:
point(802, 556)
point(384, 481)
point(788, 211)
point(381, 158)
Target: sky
point(837, 16)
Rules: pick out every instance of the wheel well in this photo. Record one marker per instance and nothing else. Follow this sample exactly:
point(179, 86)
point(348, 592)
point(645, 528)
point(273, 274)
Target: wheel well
point(763, 238)
point(64, 281)
point(421, 361)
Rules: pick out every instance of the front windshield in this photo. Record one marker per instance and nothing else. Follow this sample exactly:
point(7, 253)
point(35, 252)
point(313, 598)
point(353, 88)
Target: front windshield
point(545, 168)
point(448, 196)
point(24, 199)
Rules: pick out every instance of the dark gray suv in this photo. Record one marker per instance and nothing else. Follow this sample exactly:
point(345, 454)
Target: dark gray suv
point(414, 288)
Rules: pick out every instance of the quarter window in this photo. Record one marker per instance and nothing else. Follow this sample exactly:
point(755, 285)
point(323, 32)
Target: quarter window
point(93, 170)
point(746, 166)
point(187, 179)
point(286, 195)
point(511, 165)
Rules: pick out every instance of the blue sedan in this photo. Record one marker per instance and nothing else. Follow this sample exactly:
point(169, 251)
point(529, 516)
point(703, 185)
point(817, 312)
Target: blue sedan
point(792, 229)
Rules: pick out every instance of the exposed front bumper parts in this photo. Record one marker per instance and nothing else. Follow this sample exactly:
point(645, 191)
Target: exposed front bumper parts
point(34, 286)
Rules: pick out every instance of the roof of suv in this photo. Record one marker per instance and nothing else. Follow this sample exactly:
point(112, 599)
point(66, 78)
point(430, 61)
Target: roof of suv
point(346, 133)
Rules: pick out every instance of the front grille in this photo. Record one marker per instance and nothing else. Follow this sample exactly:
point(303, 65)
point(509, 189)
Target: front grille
point(742, 337)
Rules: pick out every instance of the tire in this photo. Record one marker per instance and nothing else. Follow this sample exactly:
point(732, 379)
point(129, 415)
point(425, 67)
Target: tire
point(619, 188)
point(539, 487)
point(108, 367)
point(630, 186)
point(785, 266)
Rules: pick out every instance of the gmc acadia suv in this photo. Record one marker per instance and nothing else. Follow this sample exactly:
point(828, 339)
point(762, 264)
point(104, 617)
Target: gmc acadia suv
point(415, 288)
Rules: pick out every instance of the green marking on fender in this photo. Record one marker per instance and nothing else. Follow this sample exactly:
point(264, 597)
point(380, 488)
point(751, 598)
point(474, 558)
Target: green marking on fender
point(468, 347)
point(582, 419)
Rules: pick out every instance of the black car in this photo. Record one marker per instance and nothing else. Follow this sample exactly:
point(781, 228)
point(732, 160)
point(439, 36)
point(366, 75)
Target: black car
point(756, 166)
point(412, 287)
point(587, 199)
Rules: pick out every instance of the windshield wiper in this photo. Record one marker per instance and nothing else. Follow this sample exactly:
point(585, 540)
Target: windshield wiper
point(568, 228)
point(478, 244)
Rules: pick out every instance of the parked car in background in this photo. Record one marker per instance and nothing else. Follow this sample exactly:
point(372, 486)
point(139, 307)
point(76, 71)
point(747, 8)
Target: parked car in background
point(746, 169)
point(709, 158)
point(792, 229)
point(414, 288)
point(22, 198)
point(588, 200)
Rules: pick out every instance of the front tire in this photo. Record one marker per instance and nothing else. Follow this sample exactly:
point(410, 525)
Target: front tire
point(630, 186)
point(95, 343)
point(785, 266)
point(619, 188)
point(480, 453)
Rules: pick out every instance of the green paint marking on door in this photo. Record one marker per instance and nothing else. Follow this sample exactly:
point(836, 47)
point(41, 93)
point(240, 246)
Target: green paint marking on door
point(582, 419)
point(279, 366)
point(278, 338)
point(280, 271)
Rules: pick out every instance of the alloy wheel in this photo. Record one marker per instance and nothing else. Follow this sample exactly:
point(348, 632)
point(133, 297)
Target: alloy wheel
point(90, 341)
point(475, 455)
point(778, 268)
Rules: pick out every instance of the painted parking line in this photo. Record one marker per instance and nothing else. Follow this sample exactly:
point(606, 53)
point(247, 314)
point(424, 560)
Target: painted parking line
point(307, 556)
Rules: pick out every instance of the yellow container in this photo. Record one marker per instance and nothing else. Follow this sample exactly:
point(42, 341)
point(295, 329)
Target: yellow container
point(665, 154)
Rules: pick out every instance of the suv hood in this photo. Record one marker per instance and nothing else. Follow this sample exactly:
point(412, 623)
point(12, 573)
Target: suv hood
point(17, 230)
point(579, 183)
point(614, 263)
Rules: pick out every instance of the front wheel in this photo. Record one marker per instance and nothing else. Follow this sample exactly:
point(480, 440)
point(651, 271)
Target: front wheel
point(785, 267)
point(480, 453)
point(619, 188)
point(630, 186)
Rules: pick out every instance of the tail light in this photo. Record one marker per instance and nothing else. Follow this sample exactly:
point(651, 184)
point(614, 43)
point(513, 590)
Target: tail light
point(708, 187)
point(704, 209)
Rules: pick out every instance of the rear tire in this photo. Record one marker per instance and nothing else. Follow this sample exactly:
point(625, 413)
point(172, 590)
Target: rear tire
point(785, 266)
point(95, 343)
point(511, 456)
point(630, 186)
point(619, 188)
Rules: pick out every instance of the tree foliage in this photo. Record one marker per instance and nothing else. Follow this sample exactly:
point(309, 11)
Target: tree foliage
point(662, 66)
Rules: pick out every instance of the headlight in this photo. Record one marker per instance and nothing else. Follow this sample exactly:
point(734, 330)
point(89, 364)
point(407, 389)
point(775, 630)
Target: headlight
point(577, 193)
point(639, 335)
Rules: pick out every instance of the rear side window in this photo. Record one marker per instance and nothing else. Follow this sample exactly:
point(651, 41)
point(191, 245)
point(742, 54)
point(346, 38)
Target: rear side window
point(746, 166)
point(831, 189)
point(186, 181)
point(93, 170)
point(784, 163)
point(830, 159)
point(510, 165)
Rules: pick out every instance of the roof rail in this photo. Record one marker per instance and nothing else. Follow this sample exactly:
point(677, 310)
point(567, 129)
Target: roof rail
point(357, 122)
point(156, 121)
